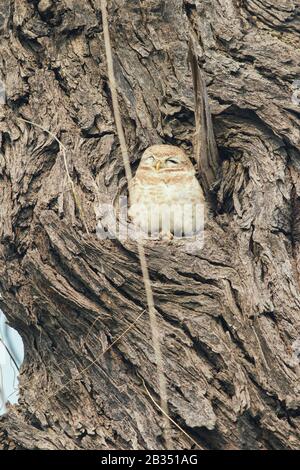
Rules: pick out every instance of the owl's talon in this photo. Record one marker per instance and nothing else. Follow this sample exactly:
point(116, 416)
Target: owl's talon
point(166, 236)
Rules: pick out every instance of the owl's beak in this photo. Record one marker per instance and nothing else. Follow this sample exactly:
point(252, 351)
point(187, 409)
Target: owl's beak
point(158, 165)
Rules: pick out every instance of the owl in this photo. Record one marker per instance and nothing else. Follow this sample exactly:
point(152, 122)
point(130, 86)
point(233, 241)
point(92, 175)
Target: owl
point(166, 199)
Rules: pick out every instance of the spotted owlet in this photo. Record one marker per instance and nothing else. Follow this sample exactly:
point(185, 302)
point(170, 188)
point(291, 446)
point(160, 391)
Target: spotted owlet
point(166, 199)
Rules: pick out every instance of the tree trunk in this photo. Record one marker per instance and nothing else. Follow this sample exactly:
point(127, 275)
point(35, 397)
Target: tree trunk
point(228, 313)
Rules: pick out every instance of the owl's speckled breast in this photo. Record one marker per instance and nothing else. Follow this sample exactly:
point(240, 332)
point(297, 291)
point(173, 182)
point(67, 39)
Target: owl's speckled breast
point(168, 207)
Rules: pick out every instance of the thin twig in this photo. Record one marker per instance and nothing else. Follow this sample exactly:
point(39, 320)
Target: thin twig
point(141, 251)
point(85, 369)
point(10, 354)
point(169, 418)
point(63, 149)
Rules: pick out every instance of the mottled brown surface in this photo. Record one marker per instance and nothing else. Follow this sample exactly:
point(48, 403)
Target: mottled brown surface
point(228, 314)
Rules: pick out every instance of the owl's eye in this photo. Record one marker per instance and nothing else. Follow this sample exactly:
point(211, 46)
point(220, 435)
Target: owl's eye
point(149, 160)
point(172, 162)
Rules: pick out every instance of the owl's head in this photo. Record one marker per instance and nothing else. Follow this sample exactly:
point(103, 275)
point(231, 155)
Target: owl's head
point(165, 159)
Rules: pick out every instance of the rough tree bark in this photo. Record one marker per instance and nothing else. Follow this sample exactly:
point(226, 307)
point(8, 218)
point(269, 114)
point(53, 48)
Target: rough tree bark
point(229, 313)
